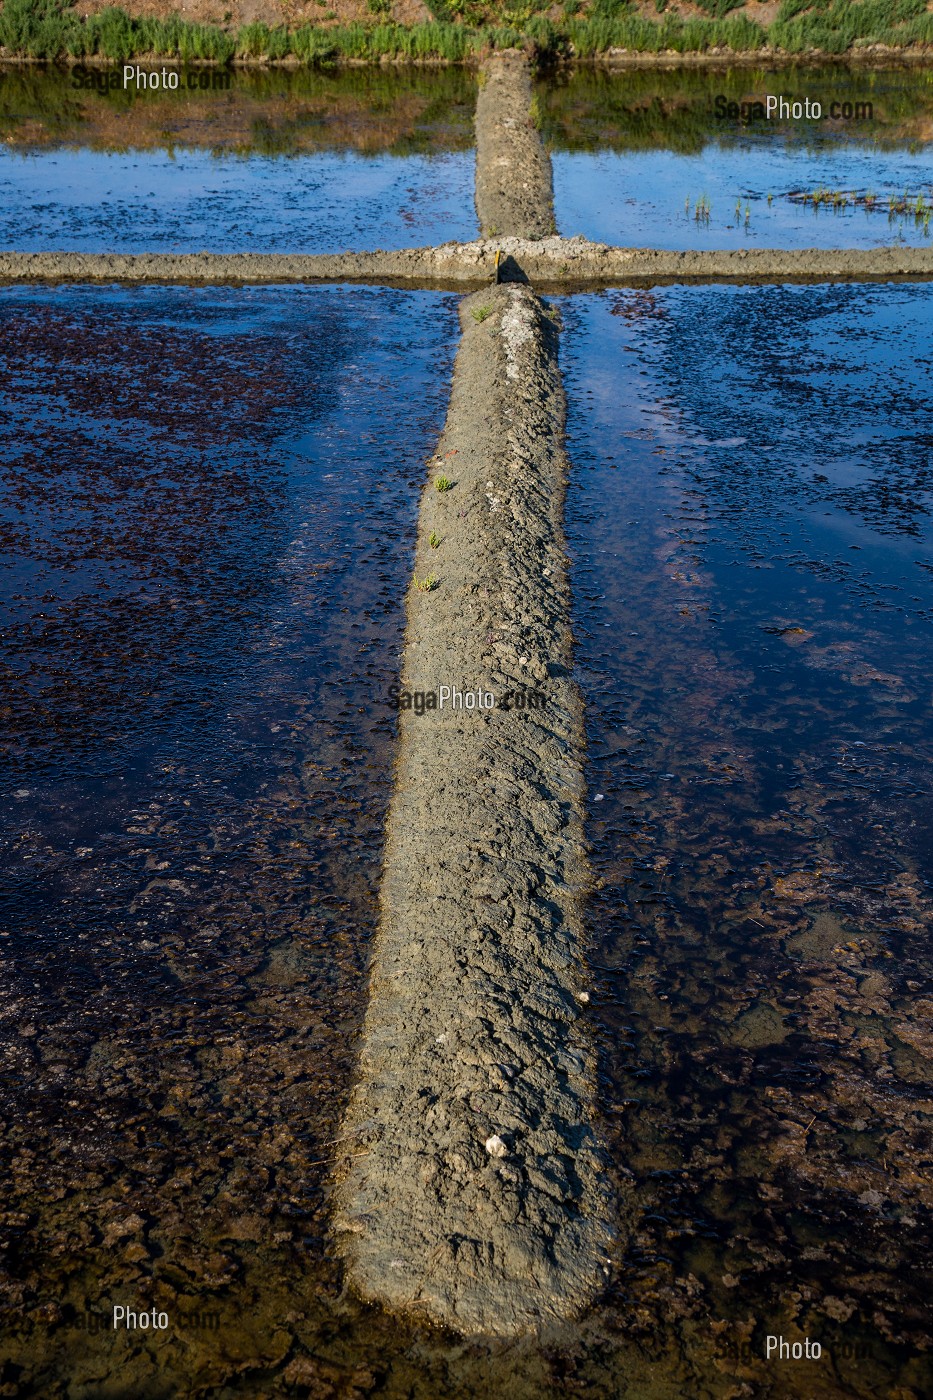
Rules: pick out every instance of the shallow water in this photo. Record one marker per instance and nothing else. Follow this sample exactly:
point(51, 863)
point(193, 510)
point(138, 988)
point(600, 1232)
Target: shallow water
point(753, 572)
point(290, 163)
point(204, 611)
point(636, 155)
point(206, 540)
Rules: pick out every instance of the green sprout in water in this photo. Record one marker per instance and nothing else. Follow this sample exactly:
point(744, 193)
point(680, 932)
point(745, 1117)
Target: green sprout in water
point(443, 483)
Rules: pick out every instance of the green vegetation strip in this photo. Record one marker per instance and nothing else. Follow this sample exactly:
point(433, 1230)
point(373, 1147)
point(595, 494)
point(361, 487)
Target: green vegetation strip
point(52, 30)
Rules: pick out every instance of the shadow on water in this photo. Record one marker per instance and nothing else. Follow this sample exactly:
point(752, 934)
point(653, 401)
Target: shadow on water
point(752, 557)
point(681, 159)
point(279, 162)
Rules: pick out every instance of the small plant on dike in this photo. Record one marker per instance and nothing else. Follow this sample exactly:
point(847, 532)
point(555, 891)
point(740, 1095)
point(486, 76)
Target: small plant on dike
point(479, 313)
point(425, 585)
point(435, 540)
point(443, 483)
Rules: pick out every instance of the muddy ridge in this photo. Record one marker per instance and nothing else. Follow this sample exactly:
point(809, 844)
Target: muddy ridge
point(514, 191)
point(554, 263)
point(474, 1185)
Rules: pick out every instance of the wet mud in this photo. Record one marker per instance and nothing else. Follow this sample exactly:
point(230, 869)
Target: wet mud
point(514, 196)
point(474, 1190)
point(551, 263)
point(201, 807)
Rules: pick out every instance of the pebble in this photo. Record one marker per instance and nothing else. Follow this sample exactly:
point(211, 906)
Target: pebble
point(496, 1147)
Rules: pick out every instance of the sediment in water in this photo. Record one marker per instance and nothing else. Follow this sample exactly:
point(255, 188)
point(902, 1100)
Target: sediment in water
point(514, 191)
point(474, 1185)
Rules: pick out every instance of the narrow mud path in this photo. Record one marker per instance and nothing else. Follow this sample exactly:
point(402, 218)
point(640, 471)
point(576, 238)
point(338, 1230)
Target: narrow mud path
point(553, 263)
point(474, 1188)
point(514, 193)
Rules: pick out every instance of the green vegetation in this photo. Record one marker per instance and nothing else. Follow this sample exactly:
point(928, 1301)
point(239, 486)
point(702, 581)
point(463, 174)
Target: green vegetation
point(589, 37)
point(424, 585)
point(463, 29)
point(443, 483)
point(435, 540)
point(479, 313)
point(918, 207)
point(834, 26)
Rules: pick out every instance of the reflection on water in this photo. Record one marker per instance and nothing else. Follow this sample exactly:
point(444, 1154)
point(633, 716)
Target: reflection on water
point(753, 569)
point(244, 111)
point(290, 162)
point(635, 154)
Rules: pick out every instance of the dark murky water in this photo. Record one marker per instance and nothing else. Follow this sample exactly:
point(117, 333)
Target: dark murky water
point(753, 551)
point(206, 539)
point(206, 536)
point(642, 158)
point(278, 163)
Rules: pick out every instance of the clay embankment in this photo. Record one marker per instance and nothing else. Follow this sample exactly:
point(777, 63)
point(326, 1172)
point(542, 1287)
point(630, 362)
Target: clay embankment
point(475, 1189)
point(514, 193)
point(550, 263)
